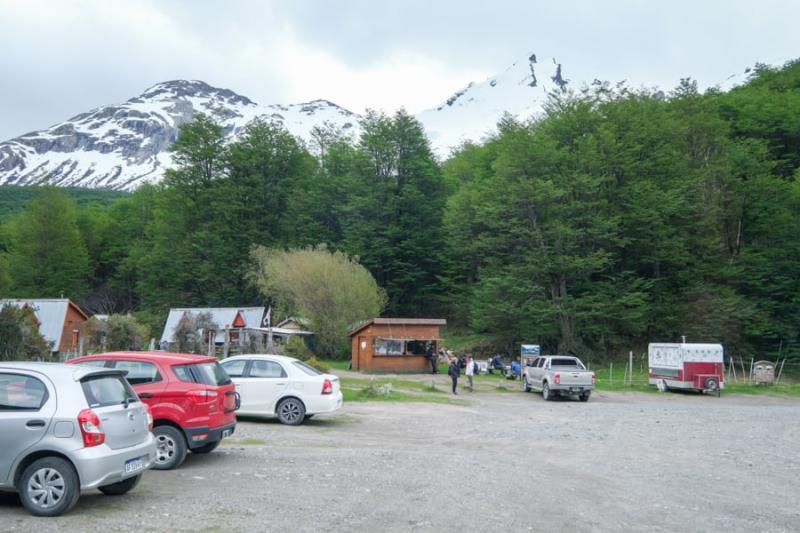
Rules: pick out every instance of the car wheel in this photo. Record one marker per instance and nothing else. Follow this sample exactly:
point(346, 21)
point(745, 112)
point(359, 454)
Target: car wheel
point(584, 397)
point(525, 386)
point(206, 448)
point(711, 384)
point(121, 487)
point(49, 487)
point(546, 394)
point(170, 447)
point(291, 411)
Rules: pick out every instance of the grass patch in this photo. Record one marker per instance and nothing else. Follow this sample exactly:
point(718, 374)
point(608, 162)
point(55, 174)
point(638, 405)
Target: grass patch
point(338, 365)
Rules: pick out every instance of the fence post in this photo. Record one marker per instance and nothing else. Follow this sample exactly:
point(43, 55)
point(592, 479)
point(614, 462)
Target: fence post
point(630, 383)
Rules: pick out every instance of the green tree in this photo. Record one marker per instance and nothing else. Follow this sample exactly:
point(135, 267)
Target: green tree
point(393, 218)
point(45, 255)
point(20, 339)
point(116, 332)
point(330, 289)
point(180, 266)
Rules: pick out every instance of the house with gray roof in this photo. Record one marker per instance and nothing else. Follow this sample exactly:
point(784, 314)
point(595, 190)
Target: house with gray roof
point(60, 321)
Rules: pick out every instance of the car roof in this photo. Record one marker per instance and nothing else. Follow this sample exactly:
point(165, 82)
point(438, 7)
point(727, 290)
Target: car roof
point(56, 369)
point(282, 358)
point(165, 357)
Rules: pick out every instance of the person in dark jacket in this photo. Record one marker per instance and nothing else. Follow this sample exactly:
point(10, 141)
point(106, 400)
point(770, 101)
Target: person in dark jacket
point(434, 358)
point(454, 371)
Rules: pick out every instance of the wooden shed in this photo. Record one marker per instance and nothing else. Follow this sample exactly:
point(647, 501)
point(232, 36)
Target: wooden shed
point(395, 344)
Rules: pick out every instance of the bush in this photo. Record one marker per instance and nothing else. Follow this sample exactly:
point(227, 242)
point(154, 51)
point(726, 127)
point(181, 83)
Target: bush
point(296, 347)
point(322, 366)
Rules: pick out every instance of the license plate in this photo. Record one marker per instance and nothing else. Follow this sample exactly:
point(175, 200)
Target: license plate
point(226, 433)
point(576, 389)
point(133, 465)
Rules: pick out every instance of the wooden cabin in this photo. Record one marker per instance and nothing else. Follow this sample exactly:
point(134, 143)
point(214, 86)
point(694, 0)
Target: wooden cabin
point(395, 344)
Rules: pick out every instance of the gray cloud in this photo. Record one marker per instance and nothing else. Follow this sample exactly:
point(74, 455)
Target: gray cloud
point(62, 58)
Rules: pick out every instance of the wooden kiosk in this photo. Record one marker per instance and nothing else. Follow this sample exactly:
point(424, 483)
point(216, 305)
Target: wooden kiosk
point(395, 344)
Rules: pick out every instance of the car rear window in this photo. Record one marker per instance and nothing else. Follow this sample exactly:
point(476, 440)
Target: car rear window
point(107, 389)
point(210, 373)
point(564, 362)
point(310, 370)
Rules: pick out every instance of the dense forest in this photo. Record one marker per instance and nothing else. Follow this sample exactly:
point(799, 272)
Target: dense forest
point(615, 218)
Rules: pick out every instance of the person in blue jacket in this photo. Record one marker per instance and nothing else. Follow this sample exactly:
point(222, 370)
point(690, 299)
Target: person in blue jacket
point(496, 364)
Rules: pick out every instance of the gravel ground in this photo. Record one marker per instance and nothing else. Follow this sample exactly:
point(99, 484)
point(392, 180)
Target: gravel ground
point(488, 461)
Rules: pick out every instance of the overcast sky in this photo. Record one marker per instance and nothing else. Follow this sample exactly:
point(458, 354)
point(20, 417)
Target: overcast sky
point(59, 58)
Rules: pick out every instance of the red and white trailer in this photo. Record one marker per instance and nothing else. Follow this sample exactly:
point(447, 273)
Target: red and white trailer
point(686, 366)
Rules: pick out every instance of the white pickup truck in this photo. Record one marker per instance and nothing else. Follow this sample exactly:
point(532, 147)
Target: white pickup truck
point(558, 375)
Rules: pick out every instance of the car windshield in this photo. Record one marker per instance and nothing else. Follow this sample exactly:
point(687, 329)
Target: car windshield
point(107, 389)
point(207, 373)
point(310, 370)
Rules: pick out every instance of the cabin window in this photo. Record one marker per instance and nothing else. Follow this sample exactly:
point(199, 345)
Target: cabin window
point(388, 347)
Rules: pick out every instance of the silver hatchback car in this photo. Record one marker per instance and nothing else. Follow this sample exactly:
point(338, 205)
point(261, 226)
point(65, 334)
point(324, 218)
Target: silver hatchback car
point(67, 428)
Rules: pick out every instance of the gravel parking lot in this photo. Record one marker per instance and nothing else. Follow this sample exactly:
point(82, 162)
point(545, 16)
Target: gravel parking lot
point(490, 461)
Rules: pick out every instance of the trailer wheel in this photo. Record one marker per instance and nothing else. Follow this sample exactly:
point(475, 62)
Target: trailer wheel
point(711, 384)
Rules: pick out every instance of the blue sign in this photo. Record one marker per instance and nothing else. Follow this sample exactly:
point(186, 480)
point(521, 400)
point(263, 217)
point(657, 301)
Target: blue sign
point(530, 349)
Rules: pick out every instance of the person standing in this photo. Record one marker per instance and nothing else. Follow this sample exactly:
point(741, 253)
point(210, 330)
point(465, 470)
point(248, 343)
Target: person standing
point(434, 358)
point(454, 372)
point(469, 371)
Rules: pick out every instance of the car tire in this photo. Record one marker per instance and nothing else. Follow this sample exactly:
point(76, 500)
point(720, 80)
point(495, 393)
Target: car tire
point(170, 447)
point(584, 397)
point(291, 411)
point(525, 386)
point(546, 394)
point(711, 384)
point(49, 487)
point(206, 448)
point(121, 487)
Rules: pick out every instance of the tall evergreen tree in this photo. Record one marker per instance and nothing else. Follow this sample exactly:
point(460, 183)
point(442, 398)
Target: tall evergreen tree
point(46, 257)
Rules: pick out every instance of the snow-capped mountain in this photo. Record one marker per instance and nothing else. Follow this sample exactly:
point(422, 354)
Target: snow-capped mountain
point(473, 112)
point(122, 146)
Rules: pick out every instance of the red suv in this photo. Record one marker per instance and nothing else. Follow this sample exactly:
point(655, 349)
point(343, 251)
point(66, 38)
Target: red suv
point(191, 397)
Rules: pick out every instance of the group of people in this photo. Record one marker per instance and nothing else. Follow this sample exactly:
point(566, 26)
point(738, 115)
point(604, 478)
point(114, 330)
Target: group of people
point(469, 366)
point(454, 370)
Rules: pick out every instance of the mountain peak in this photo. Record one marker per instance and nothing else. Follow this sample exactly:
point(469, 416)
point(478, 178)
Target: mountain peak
point(175, 89)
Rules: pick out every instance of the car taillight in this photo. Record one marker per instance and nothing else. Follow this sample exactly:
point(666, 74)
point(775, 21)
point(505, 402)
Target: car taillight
point(592, 378)
point(90, 428)
point(557, 378)
point(201, 396)
point(149, 416)
point(327, 387)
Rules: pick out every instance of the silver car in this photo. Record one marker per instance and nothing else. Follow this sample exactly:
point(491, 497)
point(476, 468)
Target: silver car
point(67, 428)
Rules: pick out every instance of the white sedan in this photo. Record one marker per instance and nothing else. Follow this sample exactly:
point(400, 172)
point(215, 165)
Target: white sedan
point(277, 385)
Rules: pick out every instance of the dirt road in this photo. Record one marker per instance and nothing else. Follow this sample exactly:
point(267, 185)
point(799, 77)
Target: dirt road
point(492, 461)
